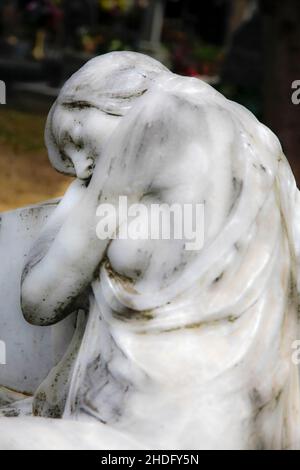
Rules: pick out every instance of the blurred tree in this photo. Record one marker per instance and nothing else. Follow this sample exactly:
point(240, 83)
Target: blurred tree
point(152, 26)
point(281, 31)
point(241, 11)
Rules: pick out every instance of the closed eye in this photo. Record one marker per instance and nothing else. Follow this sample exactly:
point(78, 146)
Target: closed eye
point(78, 105)
point(81, 105)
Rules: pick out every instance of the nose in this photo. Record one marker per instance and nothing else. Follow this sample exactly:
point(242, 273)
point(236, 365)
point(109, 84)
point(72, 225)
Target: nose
point(83, 165)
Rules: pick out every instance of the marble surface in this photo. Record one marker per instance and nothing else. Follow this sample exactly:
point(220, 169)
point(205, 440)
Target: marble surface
point(174, 349)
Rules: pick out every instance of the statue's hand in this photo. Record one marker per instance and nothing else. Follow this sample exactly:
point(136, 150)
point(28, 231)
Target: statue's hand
point(69, 204)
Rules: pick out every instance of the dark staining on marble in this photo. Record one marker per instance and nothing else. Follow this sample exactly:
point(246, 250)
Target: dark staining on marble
point(78, 301)
point(91, 167)
point(259, 406)
point(293, 294)
point(96, 274)
point(10, 413)
point(219, 278)
point(237, 187)
point(126, 281)
point(167, 275)
point(149, 255)
point(51, 397)
point(127, 96)
point(298, 312)
point(111, 113)
point(152, 192)
point(4, 402)
point(20, 392)
point(137, 273)
point(278, 397)
point(143, 142)
point(127, 313)
point(281, 158)
point(292, 286)
point(69, 167)
point(257, 402)
point(153, 136)
point(111, 164)
point(260, 167)
point(100, 195)
point(38, 404)
point(67, 161)
point(67, 139)
point(260, 442)
point(37, 253)
point(81, 104)
point(93, 410)
point(75, 405)
point(130, 314)
point(263, 168)
point(41, 407)
point(182, 101)
point(192, 326)
point(107, 403)
point(232, 318)
point(115, 102)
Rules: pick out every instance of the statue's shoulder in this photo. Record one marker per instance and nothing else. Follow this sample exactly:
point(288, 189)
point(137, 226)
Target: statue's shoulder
point(180, 98)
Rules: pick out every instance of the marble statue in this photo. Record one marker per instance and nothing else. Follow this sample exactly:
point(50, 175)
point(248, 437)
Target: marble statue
point(158, 347)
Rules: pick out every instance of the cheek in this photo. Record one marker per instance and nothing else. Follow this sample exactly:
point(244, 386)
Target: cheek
point(62, 124)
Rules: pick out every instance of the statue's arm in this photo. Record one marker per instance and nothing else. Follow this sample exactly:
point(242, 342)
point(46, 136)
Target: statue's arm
point(34, 290)
point(61, 267)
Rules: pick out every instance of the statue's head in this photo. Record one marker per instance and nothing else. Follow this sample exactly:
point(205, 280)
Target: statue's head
point(91, 105)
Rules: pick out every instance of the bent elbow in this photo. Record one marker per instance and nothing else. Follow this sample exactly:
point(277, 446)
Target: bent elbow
point(36, 315)
point(33, 306)
point(32, 313)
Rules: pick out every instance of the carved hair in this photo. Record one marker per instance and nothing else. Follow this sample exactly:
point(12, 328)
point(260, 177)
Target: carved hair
point(111, 82)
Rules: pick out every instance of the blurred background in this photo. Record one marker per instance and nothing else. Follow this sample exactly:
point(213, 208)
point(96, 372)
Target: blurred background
point(248, 49)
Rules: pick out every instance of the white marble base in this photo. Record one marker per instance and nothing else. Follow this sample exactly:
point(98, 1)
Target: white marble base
point(53, 434)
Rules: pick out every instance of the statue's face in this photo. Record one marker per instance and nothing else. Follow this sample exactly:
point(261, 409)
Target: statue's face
point(81, 131)
point(90, 106)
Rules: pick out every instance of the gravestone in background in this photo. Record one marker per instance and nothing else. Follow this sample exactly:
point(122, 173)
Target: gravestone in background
point(30, 352)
